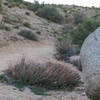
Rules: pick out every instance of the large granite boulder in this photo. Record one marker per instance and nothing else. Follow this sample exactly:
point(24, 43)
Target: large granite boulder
point(90, 59)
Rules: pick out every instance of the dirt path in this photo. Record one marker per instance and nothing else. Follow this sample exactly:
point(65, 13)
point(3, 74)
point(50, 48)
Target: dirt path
point(39, 52)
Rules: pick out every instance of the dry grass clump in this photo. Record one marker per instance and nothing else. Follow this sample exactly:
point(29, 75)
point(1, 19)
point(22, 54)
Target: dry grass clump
point(64, 50)
point(51, 75)
point(28, 34)
point(62, 74)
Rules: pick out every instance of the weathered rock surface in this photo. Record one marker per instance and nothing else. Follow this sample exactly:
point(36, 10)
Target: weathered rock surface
point(75, 60)
point(90, 59)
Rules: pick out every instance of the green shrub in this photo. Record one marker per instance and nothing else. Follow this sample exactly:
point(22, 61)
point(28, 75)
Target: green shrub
point(51, 75)
point(30, 6)
point(7, 28)
point(4, 27)
point(43, 10)
point(28, 34)
point(13, 3)
point(3, 78)
point(39, 91)
point(83, 30)
point(34, 6)
point(50, 13)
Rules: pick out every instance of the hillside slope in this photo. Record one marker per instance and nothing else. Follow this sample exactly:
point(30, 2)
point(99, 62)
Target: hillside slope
point(15, 19)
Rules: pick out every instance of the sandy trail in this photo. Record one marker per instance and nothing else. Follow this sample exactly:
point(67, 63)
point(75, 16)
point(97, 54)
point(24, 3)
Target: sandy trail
point(39, 52)
point(34, 51)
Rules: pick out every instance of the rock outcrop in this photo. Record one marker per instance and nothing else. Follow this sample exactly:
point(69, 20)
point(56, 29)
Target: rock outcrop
point(90, 59)
point(75, 60)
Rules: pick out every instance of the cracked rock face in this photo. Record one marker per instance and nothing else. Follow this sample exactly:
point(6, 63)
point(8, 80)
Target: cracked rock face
point(90, 59)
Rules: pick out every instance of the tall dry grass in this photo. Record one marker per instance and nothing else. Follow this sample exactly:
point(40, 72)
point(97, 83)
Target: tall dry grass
point(51, 75)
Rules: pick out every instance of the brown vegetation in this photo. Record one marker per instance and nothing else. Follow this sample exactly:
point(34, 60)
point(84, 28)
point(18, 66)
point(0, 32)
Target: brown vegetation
point(51, 75)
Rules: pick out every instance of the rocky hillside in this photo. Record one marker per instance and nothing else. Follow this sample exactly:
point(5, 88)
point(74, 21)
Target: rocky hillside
point(15, 19)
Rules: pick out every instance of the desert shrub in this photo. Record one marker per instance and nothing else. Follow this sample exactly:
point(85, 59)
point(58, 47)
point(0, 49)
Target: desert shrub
point(3, 78)
point(30, 6)
point(14, 19)
point(4, 27)
point(83, 30)
point(50, 13)
point(17, 1)
point(13, 3)
point(28, 34)
point(0, 6)
point(7, 28)
point(67, 28)
point(34, 6)
point(51, 75)
point(26, 24)
point(64, 48)
point(79, 17)
point(6, 19)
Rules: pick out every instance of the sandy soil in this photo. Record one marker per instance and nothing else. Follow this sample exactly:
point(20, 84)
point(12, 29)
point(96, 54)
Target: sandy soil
point(39, 52)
